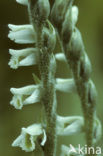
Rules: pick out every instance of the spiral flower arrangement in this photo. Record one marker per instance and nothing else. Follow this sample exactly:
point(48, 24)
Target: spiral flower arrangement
point(47, 25)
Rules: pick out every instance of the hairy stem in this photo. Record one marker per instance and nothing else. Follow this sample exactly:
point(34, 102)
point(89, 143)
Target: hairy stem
point(78, 61)
point(45, 42)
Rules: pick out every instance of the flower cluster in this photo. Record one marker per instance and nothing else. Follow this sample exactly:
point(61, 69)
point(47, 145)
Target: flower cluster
point(42, 89)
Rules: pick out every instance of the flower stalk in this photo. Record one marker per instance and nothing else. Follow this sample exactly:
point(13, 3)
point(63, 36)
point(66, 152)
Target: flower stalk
point(45, 42)
point(43, 34)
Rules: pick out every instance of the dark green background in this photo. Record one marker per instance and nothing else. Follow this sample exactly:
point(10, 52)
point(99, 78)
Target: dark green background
point(90, 24)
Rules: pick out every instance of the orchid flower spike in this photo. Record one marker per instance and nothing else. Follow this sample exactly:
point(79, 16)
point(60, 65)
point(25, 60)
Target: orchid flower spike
point(25, 95)
point(69, 125)
point(28, 137)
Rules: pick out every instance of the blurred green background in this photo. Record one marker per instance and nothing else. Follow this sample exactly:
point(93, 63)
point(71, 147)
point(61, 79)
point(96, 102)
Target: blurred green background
point(90, 24)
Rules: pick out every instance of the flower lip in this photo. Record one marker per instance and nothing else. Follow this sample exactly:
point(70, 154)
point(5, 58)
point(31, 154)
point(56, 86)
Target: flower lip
point(26, 140)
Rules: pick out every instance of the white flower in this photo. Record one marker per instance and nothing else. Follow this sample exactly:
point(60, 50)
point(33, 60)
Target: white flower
point(60, 57)
point(24, 57)
point(75, 14)
point(69, 125)
point(65, 85)
point(22, 34)
point(26, 140)
point(24, 2)
point(25, 95)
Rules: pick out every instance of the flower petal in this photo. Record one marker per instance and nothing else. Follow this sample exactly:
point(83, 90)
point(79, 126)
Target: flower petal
point(25, 95)
point(17, 102)
point(44, 138)
point(65, 85)
point(28, 137)
point(24, 57)
point(35, 129)
point(34, 98)
point(22, 34)
point(24, 2)
point(74, 14)
point(27, 90)
point(60, 57)
point(69, 125)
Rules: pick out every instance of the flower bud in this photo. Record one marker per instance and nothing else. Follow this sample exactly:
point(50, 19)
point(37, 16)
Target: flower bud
point(76, 47)
point(85, 68)
point(49, 37)
point(92, 93)
point(58, 12)
point(69, 23)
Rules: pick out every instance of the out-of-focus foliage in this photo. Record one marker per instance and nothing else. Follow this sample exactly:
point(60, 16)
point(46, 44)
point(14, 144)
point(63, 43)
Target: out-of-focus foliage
point(90, 24)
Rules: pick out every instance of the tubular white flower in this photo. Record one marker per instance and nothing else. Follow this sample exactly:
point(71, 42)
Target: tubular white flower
point(60, 57)
point(29, 136)
point(25, 95)
point(22, 34)
point(24, 57)
point(24, 2)
point(65, 85)
point(69, 125)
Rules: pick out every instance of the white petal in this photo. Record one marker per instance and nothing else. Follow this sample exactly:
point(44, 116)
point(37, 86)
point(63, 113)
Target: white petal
point(27, 90)
point(24, 57)
point(44, 138)
point(19, 27)
point(29, 60)
point(17, 102)
point(35, 129)
point(74, 14)
point(22, 34)
point(22, 52)
point(28, 137)
point(65, 85)
point(24, 2)
point(69, 125)
point(35, 97)
point(17, 141)
point(60, 57)
point(13, 63)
